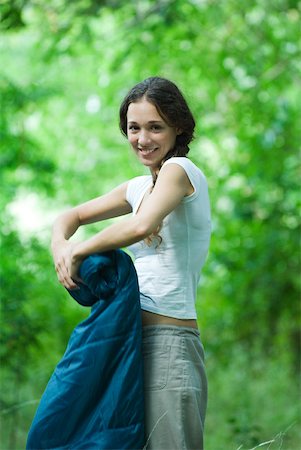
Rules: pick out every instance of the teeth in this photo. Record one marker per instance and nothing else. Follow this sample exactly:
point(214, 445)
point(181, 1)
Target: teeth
point(146, 151)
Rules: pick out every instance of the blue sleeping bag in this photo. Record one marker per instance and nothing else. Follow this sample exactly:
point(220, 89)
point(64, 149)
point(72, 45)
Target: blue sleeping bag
point(94, 399)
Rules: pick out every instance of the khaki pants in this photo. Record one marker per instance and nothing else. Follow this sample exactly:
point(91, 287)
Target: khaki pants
point(175, 388)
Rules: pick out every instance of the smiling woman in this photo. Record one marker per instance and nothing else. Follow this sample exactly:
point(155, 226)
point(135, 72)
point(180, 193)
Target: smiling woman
point(170, 108)
point(149, 135)
point(159, 126)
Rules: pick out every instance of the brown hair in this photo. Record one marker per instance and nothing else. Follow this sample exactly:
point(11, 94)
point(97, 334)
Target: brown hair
point(170, 104)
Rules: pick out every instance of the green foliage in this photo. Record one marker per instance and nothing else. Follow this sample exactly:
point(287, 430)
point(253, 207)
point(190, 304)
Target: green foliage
point(35, 321)
point(65, 67)
point(20, 153)
point(252, 403)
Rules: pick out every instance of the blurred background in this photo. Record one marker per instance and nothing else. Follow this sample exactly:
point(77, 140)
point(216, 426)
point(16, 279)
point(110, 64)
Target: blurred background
point(65, 67)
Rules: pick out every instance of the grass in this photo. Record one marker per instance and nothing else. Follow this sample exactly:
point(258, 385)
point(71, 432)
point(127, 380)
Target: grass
point(253, 403)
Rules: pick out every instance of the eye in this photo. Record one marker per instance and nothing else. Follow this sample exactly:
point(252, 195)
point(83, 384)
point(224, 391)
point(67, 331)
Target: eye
point(156, 128)
point(133, 128)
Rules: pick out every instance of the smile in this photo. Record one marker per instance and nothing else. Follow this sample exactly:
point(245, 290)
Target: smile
point(145, 151)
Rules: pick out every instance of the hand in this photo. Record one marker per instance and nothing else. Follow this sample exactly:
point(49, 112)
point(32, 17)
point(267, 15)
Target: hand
point(66, 263)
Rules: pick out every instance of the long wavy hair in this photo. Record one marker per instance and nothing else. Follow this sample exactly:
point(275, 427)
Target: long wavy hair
point(172, 107)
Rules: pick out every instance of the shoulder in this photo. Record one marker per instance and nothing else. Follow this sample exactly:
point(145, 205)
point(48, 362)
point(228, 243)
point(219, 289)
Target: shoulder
point(194, 174)
point(139, 182)
point(188, 166)
point(173, 176)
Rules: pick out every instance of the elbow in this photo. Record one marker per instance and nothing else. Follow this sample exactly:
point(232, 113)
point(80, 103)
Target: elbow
point(140, 233)
point(144, 229)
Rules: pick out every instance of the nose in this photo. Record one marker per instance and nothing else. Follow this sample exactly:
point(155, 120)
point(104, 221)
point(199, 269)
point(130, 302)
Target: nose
point(144, 138)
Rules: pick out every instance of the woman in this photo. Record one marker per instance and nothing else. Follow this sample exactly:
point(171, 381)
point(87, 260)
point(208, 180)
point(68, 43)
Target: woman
point(168, 233)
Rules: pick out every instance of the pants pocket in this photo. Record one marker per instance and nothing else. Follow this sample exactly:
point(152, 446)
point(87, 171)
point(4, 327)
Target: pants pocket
point(156, 366)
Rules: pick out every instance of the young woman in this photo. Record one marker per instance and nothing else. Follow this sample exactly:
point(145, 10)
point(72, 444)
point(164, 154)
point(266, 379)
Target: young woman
point(168, 234)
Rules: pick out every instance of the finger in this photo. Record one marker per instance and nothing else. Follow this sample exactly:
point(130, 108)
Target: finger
point(65, 279)
point(68, 283)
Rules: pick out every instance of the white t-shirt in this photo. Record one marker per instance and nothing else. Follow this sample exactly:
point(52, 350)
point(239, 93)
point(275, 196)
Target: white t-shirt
point(168, 273)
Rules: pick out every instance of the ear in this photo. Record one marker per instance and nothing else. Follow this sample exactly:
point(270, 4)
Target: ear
point(179, 131)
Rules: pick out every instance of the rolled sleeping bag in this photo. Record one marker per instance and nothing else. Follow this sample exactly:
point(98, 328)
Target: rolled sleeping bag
point(94, 398)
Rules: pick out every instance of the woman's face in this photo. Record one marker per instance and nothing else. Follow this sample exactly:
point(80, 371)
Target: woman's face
point(149, 135)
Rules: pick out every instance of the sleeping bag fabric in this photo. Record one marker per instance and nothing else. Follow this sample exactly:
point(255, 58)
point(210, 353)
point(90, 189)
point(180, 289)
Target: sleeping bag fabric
point(94, 399)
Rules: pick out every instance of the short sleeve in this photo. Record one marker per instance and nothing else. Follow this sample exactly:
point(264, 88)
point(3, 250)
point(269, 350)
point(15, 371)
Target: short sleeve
point(195, 175)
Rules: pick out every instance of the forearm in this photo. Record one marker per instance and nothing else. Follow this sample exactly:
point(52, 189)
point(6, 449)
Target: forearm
point(64, 227)
point(118, 235)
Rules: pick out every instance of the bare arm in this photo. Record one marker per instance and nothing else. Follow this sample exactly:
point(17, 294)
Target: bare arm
point(107, 206)
point(171, 186)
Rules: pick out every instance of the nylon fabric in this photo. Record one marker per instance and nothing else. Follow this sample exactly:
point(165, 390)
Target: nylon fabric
point(94, 399)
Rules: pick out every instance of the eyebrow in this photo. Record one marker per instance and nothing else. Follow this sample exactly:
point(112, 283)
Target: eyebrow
point(150, 122)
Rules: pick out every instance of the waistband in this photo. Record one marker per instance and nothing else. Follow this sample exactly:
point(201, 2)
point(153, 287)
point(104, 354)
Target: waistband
point(169, 330)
